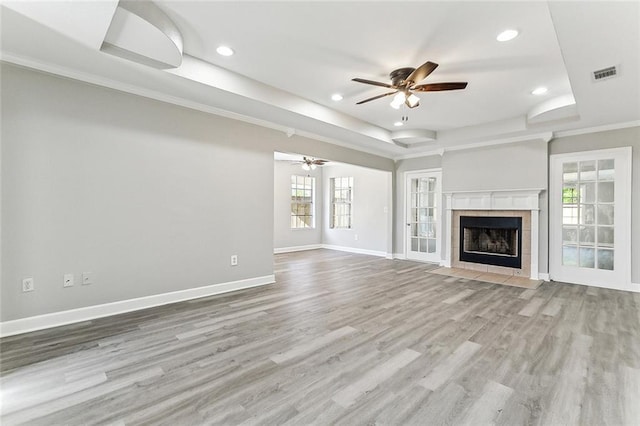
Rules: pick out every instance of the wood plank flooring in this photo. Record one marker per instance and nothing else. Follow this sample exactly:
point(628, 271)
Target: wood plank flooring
point(340, 339)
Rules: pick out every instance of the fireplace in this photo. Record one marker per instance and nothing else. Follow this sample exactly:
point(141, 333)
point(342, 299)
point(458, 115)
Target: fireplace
point(491, 240)
point(517, 203)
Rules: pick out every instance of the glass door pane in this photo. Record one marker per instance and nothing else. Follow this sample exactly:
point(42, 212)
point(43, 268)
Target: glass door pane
point(423, 214)
point(588, 224)
point(423, 199)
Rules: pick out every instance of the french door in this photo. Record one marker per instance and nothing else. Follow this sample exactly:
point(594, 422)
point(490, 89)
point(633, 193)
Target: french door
point(423, 196)
point(590, 223)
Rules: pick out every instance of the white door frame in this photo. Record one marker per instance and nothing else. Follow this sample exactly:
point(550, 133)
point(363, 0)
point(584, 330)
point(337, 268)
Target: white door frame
point(620, 278)
point(406, 176)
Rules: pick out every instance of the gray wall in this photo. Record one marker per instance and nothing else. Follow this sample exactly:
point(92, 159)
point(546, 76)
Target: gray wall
point(371, 209)
point(520, 165)
point(283, 235)
point(149, 197)
point(513, 166)
point(605, 140)
point(153, 198)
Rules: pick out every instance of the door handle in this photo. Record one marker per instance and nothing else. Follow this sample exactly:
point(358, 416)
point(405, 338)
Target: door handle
point(408, 224)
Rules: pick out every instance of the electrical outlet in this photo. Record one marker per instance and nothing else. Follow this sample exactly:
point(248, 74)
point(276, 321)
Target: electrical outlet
point(27, 285)
point(87, 278)
point(356, 237)
point(68, 280)
point(234, 260)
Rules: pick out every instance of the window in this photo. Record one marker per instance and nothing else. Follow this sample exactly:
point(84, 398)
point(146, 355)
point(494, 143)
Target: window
point(341, 201)
point(302, 189)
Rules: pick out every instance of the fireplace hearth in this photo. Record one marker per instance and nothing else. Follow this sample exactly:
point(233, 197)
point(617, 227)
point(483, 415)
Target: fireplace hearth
point(491, 240)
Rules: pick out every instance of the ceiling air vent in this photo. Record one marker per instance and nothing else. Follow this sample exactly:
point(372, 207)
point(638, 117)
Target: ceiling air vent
point(605, 73)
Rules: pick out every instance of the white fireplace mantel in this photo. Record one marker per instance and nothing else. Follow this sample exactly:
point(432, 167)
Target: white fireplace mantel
point(510, 199)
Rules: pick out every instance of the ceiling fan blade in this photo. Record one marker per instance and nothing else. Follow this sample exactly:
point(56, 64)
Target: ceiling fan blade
point(421, 72)
point(375, 83)
point(439, 87)
point(376, 97)
point(320, 162)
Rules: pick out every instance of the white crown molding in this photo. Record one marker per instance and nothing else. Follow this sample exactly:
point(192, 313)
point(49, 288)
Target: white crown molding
point(337, 142)
point(18, 60)
point(14, 59)
point(56, 319)
point(545, 136)
point(604, 128)
point(128, 88)
point(433, 153)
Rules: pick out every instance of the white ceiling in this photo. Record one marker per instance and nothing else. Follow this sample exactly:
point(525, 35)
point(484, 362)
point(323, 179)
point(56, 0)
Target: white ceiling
point(292, 56)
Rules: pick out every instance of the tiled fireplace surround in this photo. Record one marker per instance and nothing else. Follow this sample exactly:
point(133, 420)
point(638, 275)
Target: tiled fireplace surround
point(518, 203)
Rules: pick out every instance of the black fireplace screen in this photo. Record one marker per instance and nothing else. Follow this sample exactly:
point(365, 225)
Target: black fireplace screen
point(491, 240)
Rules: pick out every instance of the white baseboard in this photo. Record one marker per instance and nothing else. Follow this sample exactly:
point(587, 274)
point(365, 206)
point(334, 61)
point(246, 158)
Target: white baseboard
point(543, 276)
point(399, 256)
point(55, 319)
point(296, 248)
point(355, 250)
point(332, 247)
point(632, 287)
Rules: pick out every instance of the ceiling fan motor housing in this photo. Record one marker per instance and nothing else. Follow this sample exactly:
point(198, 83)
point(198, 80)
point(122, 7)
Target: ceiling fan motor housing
point(398, 76)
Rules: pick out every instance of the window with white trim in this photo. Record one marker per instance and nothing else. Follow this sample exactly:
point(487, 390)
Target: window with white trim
point(302, 195)
point(341, 202)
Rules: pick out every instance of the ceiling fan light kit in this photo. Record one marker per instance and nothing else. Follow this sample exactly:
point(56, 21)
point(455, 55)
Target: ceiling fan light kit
point(403, 81)
point(398, 100)
point(412, 101)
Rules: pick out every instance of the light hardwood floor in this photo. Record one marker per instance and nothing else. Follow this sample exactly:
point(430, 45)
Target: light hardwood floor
point(341, 339)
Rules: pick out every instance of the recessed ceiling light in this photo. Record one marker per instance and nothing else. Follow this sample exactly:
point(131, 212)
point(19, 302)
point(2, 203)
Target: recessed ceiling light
point(224, 51)
point(539, 91)
point(507, 35)
point(398, 123)
point(336, 97)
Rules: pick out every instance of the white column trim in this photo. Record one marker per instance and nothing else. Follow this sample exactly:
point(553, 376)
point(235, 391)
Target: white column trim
point(448, 231)
point(535, 252)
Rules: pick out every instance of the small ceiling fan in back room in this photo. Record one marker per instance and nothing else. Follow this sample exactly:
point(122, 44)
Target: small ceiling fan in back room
point(310, 163)
point(403, 83)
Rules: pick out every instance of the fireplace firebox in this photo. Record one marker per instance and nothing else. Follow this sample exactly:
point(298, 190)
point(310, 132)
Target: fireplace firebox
point(491, 240)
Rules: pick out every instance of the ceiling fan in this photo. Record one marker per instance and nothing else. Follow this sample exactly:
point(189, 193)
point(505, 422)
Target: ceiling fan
point(403, 81)
point(311, 163)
